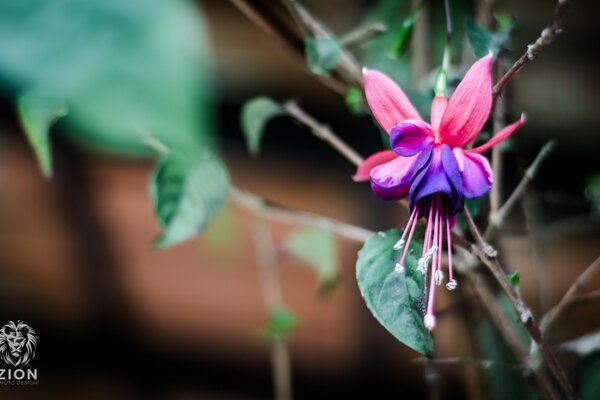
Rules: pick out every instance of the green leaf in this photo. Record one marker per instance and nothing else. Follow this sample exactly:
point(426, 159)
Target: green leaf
point(484, 41)
point(396, 299)
point(187, 193)
point(322, 55)
point(515, 279)
point(281, 323)
point(37, 113)
point(316, 248)
point(402, 38)
point(123, 67)
point(355, 100)
point(590, 380)
point(255, 114)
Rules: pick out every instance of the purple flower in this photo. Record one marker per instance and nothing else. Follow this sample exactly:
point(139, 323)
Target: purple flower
point(428, 163)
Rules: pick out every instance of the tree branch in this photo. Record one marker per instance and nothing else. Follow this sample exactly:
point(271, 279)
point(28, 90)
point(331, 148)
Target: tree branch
point(549, 33)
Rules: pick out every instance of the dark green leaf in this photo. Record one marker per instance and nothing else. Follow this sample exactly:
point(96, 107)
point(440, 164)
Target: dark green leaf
point(355, 100)
point(281, 323)
point(123, 67)
point(590, 380)
point(255, 114)
point(322, 55)
point(402, 39)
point(396, 299)
point(316, 248)
point(484, 41)
point(37, 113)
point(187, 193)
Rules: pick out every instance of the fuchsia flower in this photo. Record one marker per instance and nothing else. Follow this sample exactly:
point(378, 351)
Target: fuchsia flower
point(428, 163)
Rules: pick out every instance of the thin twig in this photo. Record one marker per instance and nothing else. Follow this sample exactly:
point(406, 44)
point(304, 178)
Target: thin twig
point(363, 34)
point(526, 317)
point(497, 218)
point(576, 288)
point(323, 132)
point(553, 29)
point(267, 261)
point(280, 213)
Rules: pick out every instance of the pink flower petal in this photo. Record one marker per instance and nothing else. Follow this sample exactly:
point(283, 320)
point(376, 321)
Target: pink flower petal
point(363, 172)
point(476, 174)
point(469, 107)
point(387, 101)
point(438, 106)
point(500, 136)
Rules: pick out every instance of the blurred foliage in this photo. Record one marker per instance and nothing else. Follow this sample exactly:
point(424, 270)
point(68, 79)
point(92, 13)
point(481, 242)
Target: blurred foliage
point(483, 41)
point(322, 55)
point(355, 101)
point(592, 191)
point(404, 34)
point(254, 116)
point(317, 248)
point(504, 376)
point(281, 323)
point(590, 381)
point(38, 112)
point(515, 279)
point(396, 298)
point(187, 193)
point(121, 67)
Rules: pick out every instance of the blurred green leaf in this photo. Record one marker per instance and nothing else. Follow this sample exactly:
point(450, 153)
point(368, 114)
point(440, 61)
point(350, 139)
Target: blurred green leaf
point(505, 380)
point(515, 279)
point(37, 113)
point(590, 379)
point(592, 191)
point(187, 193)
point(484, 41)
point(395, 298)
point(322, 55)
point(402, 39)
point(255, 114)
point(316, 248)
point(355, 100)
point(281, 323)
point(120, 66)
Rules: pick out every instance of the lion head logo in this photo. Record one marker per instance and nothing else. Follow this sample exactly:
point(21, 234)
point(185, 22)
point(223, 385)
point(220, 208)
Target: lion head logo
point(17, 343)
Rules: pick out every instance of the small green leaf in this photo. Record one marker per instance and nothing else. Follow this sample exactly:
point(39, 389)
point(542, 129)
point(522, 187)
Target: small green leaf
point(355, 100)
point(515, 279)
point(186, 195)
point(484, 41)
point(322, 55)
point(402, 38)
point(37, 113)
point(396, 299)
point(316, 248)
point(255, 114)
point(590, 380)
point(281, 323)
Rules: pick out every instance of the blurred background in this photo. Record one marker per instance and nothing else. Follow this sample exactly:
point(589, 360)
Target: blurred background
point(117, 318)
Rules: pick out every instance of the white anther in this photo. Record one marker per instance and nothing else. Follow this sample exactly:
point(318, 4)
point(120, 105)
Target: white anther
point(451, 285)
point(399, 267)
point(399, 244)
point(439, 277)
point(429, 321)
point(422, 265)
